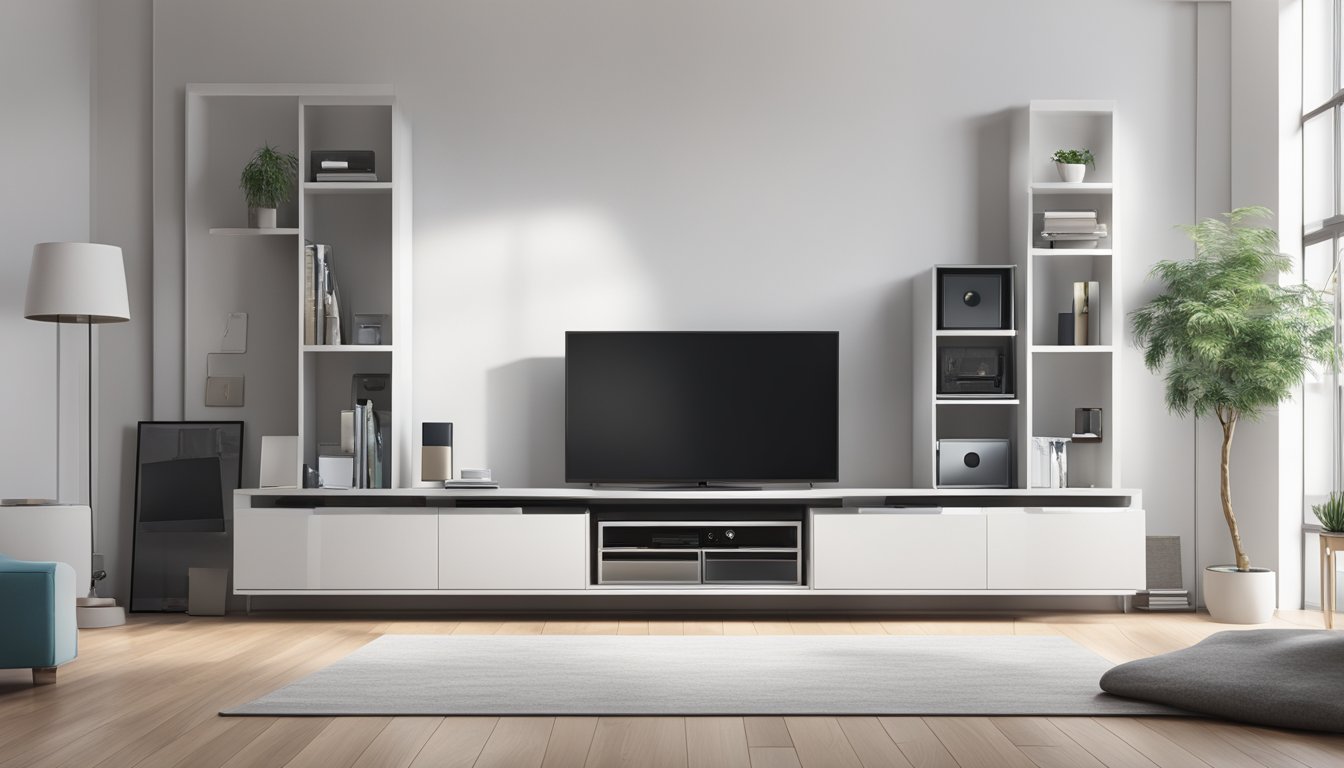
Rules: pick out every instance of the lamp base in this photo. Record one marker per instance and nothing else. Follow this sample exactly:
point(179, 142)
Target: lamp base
point(98, 612)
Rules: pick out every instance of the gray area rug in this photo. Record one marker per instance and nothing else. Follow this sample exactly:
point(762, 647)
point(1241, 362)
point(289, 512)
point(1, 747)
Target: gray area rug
point(657, 675)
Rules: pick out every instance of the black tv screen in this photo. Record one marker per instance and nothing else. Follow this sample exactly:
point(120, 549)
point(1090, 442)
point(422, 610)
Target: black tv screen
point(702, 407)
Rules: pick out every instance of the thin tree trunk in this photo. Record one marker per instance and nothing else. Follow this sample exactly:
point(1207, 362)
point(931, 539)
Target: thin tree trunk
point(1229, 426)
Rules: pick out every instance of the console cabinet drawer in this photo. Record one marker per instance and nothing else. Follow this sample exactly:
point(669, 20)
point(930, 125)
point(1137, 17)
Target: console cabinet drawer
point(1063, 549)
point(270, 548)
point(508, 549)
point(898, 551)
point(360, 549)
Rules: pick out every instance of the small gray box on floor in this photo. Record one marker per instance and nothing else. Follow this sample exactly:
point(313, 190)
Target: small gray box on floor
point(207, 590)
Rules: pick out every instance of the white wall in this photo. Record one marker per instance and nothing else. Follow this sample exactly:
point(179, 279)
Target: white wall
point(602, 164)
point(45, 50)
point(121, 215)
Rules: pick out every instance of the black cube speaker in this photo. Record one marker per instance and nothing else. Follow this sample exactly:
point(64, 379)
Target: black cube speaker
point(975, 298)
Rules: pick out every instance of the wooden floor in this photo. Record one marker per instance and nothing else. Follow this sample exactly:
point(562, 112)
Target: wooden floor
point(147, 694)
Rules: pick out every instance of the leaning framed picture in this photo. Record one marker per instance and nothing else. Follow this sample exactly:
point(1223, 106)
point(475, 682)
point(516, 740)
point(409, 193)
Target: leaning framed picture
point(185, 476)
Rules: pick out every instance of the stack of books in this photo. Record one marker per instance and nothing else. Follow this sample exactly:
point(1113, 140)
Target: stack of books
point(321, 297)
point(370, 450)
point(343, 165)
point(1163, 600)
point(1071, 229)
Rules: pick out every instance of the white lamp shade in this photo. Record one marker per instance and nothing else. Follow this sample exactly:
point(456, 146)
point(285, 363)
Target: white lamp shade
point(77, 283)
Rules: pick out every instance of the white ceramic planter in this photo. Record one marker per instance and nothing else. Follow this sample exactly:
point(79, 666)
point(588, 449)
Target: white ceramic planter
point(1239, 597)
point(262, 218)
point(1071, 172)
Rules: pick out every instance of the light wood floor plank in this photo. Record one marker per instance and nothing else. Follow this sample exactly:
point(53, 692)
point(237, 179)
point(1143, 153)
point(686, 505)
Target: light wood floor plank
point(521, 628)
point(868, 627)
point(1273, 749)
point(456, 743)
point(648, 742)
point(871, 744)
point(739, 628)
point(279, 743)
point(1162, 751)
point(571, 738)
point(774, 757)
point(703, 628)
point(821, 743)
point(918, 743)
point(1200, 742)
point(633, 628)
point(517, 742)
point(773, 627)
point(208, 745)
point(1031, 731)
point(477, 627)
point(1069, 755)
point(341, 743)
point(767, 732)
point(399, 743)
point(974, 742)
point(716, 742)
point(662, 627)
point(1105, 745)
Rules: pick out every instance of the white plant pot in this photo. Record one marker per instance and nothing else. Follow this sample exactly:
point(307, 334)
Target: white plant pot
point(1071, 172)
point(262, 218)
point(1239, 597)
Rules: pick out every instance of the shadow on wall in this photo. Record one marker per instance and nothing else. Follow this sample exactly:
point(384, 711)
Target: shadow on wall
point(993, 148)
point(525, 417)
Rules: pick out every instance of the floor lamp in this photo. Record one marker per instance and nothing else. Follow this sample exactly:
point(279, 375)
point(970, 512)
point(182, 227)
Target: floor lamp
point(82, 283)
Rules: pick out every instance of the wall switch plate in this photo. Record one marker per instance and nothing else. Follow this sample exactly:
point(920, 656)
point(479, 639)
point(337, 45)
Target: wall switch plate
point(224, 391)
point(235, 333)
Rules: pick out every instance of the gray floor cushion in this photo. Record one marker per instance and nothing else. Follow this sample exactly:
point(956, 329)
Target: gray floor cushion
point(1288, 678)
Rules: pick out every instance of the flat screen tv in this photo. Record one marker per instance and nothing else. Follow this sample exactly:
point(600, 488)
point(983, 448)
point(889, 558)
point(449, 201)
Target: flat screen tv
point(701, 407)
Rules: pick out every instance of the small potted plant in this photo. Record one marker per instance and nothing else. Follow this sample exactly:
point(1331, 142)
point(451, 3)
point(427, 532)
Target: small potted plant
point(1072, 164)
point(268, 182)
point(1233, 343)
point(1331, 513)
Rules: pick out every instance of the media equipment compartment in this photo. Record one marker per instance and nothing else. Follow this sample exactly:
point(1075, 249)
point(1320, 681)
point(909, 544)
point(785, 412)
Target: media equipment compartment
point(708, 553)
point(982, 370)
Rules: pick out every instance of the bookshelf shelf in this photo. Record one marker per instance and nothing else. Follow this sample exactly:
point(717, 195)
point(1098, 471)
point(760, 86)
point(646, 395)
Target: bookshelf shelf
point(1071, 188)
point(1047, 252)
point(347, 187)
point(337, 349)
point(973, 334)
point(974, 401)
point(253, 231)
point(1073, 349)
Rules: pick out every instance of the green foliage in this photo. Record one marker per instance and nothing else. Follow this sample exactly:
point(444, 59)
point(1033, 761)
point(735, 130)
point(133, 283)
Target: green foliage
point(268, 178)
point(1075, 157)
point(1233, 343)
point(1331, 513)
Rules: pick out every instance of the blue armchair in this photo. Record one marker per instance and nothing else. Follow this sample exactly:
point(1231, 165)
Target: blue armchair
point(37, 617)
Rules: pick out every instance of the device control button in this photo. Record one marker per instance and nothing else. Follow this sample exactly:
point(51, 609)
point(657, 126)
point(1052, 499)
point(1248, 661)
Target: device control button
point(730, 534)
point(972, 460)
point(712, 536)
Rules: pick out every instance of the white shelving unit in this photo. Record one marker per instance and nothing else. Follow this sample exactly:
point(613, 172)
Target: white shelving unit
point(1057, 379)
point(938, 417)
point(1051, 380)
point(232, 268)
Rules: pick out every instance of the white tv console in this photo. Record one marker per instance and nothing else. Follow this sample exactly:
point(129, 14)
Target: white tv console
point(866, 541)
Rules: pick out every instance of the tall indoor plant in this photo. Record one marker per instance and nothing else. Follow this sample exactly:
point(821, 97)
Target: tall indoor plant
point(267, 183)
point(1233, 343)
